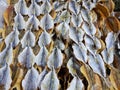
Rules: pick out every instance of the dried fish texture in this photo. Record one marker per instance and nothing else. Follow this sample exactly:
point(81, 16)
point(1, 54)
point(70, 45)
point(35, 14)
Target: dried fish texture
point(44, 39)
point(50, 82)
point(13, 38)
point(28, 39)
point(41, 58)
point(55, 59)
point(30, 80)
point(3, 7)
point(5, 77)
point(26, 58)
point(21, 7)
point(88, 4)
point(46, 22)
point(6, 56)
point(76, 84)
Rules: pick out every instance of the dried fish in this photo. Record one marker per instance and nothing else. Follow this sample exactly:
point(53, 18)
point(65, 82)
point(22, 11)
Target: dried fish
point(45, 7)
point(76, 84)
point(55, 59)
point(26, 57)
point(19, 22)
point(30, 80)
point(28, 39)
point(21, 7)
point(59, 44)
point(6, 56)
point(44, 39)
point(34, 9)
point(13, 38)
point(5, 77)
point(76, 34)
point(50, 82)
point(33, 22)
point(3, 7)
point(58, 6)
point(46, 22)
point(41, 58)
point(80, 52)
point(88, 5)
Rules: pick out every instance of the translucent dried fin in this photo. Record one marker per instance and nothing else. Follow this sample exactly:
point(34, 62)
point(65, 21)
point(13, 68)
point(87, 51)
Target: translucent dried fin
point(80, 52)
point(19, 22)
point(26, 57)
point(110, 40)
point(73, 67)
point(6, 56)
point(30, 80)
point(90, 28)
point(13, 38)
point(97, 64)
point(41, 58)
point(74, 7)
point(34, 22)
point(76, 35)
point(108, 55)
point(63, 28)
point(45, 7)
point(21, 7)
point(28, 39)
point(93, 44)
point(44, 39)
point(76, 84)
point(46, 22)
point(5, 78)
point(3, 7)
point(55, 59)
point(50, 81)
point(76, 20)
point(34, 9)
point(41, 77)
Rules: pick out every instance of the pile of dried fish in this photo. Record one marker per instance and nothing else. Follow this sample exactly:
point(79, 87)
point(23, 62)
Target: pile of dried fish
point(59, 45)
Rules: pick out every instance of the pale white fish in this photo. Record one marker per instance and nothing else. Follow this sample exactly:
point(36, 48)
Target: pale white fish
point(76, 34)
point(46, 7)
point(3, 7)
point(6, 56)
point(88, 4)
point(80, 52)
point(59, 44)
point(90, 28)
point(55, 59)
point(13, 38)
point(44, 39)
point(34, 22)
point(5, 77)
point(19, 21)
point(73, 67)
point(97, 64)
point(41, 77)
point(57, 18)
point(34, 9)
point(63, 28)
point(41, 58)
point(21, 7)
point(65, 17)
point(76, 20)
point(74, 7)
point(28, 39)
point(110, 40)
point(85, 13)
point(76, 84)
point(26, 57)
point(46, 22)
point(38, 0)
point(108, 55)
point(93, 44)
point(58, 6)
point(30, 80)
point(51, 81)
